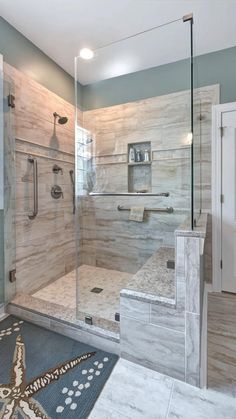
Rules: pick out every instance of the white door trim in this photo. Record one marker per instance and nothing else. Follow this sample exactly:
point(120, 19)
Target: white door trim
point(217, 111)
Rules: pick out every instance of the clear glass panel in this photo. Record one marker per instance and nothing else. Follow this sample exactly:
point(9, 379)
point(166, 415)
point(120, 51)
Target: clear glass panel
point(133, 171)
point(198, 102)
point(197, 158)
point(8, 215)
point(204, 97)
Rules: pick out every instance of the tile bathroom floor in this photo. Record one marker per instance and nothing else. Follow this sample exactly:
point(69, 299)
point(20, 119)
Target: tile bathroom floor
point(104, 305)
point(135, 392)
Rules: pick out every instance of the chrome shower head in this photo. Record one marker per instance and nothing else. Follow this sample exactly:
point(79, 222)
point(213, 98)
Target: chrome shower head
point(61, 119)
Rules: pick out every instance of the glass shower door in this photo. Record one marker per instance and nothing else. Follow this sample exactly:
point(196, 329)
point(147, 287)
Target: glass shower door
point(7, 209)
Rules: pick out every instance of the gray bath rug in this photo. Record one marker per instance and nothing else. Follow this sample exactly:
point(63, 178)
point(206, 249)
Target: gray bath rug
point(46, 375)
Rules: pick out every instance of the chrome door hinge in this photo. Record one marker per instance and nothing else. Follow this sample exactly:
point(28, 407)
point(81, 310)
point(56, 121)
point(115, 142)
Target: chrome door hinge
point(222, 198)
point(221, 264)
point(11, 101)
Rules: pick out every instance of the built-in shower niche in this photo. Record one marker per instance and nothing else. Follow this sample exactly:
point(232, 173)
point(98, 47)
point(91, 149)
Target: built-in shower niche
point(140, 170)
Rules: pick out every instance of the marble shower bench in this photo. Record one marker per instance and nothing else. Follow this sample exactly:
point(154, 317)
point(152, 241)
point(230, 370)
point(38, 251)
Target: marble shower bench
point(160, 325)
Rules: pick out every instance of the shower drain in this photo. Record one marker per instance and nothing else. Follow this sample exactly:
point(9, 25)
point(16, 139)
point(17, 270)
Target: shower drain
point(96, 290)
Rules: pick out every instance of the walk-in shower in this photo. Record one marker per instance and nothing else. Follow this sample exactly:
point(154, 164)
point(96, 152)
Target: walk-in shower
point(111, 195)
point(101, 238)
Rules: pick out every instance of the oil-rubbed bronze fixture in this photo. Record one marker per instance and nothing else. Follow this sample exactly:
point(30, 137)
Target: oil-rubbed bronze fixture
point(12, 275)
point(73, 188)
point(56, 192)
point(57, 169)
point(11, 101)
point(61, 119)
point(34, 212)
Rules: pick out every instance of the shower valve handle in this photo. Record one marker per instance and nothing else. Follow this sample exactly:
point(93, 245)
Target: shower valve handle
point(56, 192)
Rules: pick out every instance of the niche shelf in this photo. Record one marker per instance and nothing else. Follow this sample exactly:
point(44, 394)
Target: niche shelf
point(140, 173)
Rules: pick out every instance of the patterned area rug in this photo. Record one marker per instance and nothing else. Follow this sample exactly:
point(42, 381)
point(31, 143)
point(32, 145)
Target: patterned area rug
point(46, 375)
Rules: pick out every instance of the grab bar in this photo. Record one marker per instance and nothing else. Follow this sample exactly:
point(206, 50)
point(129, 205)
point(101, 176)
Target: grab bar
point(128, 194)
point(34, 213)
point(169, 210)
point(72, 179)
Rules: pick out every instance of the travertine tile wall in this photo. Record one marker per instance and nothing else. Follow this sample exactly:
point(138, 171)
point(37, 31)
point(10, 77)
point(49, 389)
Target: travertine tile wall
point(106, 233)
point(108, 238)
point(45, 247)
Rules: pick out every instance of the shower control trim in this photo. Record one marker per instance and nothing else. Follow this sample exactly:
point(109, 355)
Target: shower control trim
point(57, 169)
point(56, 192)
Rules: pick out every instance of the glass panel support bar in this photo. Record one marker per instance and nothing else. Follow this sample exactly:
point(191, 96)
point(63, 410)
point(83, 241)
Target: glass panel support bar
point(187, 18)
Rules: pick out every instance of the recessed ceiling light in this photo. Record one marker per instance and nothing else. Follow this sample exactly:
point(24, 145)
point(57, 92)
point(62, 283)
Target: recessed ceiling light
point(86, 54)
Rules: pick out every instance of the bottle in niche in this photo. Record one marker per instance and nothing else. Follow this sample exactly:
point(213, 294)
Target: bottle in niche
point(131, 155)
point(146, 156)
point(138, 156)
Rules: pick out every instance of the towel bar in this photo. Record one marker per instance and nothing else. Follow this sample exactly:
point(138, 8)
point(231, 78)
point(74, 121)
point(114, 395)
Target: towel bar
point(128, 194)
point(169, 210)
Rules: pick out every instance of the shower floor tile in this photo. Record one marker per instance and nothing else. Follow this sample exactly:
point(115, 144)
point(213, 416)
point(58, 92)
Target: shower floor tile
point(104, 304)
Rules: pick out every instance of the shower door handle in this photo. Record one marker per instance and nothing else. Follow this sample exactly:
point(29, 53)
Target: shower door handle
point(34, 212)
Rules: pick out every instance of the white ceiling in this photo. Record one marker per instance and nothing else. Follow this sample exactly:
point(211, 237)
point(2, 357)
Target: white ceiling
point(62, 27)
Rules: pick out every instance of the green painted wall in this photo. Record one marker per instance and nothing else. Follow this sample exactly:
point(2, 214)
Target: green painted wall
point(26, 57)
point(217, 67)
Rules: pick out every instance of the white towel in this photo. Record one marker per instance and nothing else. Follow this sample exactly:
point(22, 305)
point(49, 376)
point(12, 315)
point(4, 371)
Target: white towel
point(136, 214)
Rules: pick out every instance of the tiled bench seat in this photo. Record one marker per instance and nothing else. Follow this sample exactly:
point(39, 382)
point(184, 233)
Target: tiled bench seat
point(161, 311)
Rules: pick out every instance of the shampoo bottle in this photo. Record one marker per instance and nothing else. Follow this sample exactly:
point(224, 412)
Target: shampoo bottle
point(131, 155)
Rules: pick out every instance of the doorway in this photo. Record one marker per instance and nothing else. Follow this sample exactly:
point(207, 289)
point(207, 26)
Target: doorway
point(224, 197)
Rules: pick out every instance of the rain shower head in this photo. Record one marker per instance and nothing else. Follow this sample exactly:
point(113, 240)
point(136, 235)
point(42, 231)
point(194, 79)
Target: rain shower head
point(61, 119)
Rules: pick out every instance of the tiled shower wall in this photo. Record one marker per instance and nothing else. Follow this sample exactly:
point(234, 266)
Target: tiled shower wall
point(45, 247)
point(109, 239)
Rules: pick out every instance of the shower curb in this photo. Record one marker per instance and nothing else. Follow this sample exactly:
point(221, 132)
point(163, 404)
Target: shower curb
point(86, 334)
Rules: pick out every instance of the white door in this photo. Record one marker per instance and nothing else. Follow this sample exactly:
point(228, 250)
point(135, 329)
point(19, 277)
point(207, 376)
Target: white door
point(228, 122)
